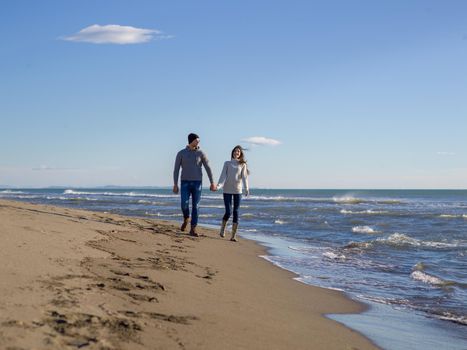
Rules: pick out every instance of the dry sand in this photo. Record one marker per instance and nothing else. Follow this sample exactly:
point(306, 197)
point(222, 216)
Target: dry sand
point(75, 279)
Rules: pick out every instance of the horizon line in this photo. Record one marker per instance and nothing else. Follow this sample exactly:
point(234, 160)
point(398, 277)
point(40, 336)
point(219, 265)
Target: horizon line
point(6, 187)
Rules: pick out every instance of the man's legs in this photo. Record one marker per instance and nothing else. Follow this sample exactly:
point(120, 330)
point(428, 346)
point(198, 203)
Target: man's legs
point(195, 190)
point(185, 200)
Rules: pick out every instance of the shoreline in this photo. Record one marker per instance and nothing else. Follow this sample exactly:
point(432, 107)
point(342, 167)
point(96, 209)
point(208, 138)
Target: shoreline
point(83, 279)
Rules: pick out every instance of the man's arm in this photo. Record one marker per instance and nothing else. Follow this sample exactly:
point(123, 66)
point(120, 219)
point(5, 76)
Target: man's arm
point(205, 161)
point(178, 163)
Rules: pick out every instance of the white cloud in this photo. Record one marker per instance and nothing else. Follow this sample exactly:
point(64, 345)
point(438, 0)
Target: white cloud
point(261, 140)
point(116, 34)
point(445, 153)
point(50, 168)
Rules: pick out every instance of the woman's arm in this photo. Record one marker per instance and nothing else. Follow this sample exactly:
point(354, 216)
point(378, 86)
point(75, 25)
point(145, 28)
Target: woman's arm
point(245, 179)
point(222, 177)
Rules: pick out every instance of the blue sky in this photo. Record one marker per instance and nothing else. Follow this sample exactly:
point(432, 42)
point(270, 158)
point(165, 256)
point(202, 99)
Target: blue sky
point(358, 94)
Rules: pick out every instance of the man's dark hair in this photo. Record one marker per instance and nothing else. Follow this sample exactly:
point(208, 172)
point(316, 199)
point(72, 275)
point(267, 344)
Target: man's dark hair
point(192, 137)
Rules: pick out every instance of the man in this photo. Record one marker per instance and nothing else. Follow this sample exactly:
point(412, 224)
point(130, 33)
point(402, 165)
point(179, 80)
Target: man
point(191, 159)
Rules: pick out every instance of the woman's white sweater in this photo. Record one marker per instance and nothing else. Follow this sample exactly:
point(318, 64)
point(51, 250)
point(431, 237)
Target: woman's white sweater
point(233, 176)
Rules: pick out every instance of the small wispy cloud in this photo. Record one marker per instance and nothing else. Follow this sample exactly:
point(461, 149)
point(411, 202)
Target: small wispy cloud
point(442, 153)
point(116, 34)
point(261, 140)
point(51, 168)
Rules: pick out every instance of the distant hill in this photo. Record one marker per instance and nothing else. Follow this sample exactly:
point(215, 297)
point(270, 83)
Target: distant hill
point(109, 187)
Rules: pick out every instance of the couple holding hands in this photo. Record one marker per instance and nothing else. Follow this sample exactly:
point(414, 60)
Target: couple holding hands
point(233, 178)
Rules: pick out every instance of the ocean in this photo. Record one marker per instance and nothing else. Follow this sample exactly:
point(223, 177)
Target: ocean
point(402, 252)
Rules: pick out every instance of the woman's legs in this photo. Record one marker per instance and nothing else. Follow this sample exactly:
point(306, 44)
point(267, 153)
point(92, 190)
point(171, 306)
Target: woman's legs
point(228, 210)
point(228, 206)
point(236, 206)
point(236, 200)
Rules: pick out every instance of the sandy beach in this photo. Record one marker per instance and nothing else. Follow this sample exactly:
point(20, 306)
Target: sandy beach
point(77, 279)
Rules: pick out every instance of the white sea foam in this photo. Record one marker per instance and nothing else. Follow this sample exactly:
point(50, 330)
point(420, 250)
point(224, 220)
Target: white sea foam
point(453, 318)
point(274, 262)
point(333, 256)
point(62, 198)
point(453, 216)
point(368, 211)
point(306, 249)
point(420, 275)
point(311, 280)
point(426, 278)
point(348, 200)
point(207, 215)
point(163, 215)
point(280, 222)
point(144, 201)
point(210, 196)
point(120, 194)
point(247, 215)
point(291, 199)
point(440, 244)
point(382, 300)
point(11, 192)
point(281, 198)
point(363, 229)
point(400, 239)
point(298, 249)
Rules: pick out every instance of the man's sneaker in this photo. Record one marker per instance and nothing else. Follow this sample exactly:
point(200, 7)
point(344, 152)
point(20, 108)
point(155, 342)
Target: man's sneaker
point(193, 232)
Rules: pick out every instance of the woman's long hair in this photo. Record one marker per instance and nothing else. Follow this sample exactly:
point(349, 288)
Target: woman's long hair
point(241, 159)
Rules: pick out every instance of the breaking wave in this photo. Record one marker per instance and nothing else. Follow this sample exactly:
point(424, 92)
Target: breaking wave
point(334, 256)
point(11, 192)
point(120, 194)
point(429, 279)
point(363, 229)
point(368, 211)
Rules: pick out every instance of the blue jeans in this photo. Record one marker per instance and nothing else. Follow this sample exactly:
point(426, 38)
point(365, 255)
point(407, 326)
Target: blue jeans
point(228, 206)
point(193, 189)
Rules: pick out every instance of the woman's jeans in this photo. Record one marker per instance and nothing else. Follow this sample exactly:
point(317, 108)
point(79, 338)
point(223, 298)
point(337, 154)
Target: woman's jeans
point(228, 206)
point(193, 189)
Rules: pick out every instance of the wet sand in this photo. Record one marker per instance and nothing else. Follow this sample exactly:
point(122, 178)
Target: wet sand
point(86, 280)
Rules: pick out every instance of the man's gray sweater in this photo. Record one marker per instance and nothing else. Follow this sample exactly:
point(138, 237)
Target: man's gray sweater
point(191, 161)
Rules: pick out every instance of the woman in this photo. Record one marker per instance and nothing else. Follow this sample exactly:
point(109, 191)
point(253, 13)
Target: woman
point(234, 175)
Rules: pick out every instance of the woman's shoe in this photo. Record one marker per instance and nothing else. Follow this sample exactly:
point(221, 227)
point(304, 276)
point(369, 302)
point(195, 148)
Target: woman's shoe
point(223, 225)
point(234, 232)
